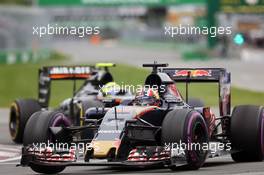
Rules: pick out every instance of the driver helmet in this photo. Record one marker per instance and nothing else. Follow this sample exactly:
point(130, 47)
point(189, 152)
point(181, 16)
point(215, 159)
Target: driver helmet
point(148, 97)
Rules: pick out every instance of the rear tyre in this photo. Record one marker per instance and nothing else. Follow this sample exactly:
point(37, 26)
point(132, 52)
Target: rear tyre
point(196, 102)
point(247, 133)
point(20, 112)
point(186, 126)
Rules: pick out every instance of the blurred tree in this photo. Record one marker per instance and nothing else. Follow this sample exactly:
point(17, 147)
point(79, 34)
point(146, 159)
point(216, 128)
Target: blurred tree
point(155, 16)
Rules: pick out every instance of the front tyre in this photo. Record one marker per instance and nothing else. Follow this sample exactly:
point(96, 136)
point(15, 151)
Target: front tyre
point(47, 169)
point(37, 131)
point(186, 126)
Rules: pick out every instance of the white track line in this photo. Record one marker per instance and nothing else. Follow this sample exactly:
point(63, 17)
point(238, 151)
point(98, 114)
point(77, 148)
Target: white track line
point(10, 149)
point(8, 154)
point(10, 159)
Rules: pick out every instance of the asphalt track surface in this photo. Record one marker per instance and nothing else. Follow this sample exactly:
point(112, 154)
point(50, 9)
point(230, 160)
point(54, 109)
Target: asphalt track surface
point(218, 165)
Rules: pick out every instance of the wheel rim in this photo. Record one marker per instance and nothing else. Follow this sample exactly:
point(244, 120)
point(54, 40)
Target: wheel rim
point(14, 121)
point(196, 134)
point(59, 121)
point(199, 136)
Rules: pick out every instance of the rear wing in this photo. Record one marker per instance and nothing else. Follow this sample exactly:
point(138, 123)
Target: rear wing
point(50, 73)
point(207, 75)
point(66, 72)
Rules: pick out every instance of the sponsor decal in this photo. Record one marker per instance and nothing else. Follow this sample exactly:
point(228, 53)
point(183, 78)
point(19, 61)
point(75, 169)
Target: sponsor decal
point(193, 73)
point(69, 72)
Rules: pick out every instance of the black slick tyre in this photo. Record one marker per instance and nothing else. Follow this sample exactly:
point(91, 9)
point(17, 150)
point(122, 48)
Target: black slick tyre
point(186, 126)
point(247, 133)
point(20, 112)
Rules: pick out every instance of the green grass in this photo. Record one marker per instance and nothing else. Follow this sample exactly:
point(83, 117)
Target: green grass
point(20, 81)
